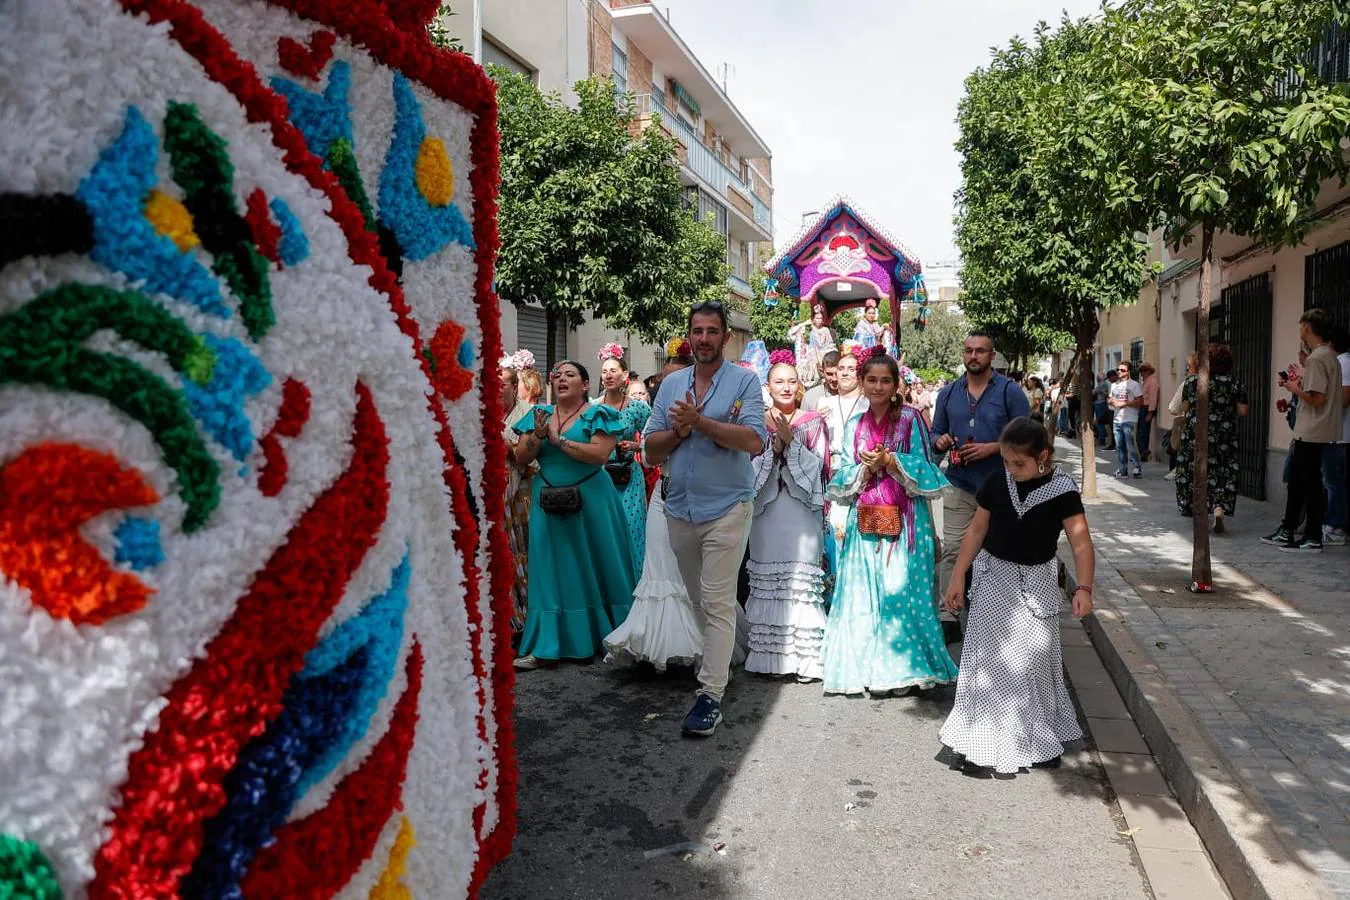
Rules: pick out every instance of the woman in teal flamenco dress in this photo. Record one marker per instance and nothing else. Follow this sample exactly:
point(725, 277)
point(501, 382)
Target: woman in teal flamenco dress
point(883, 633)
point(581, 570)
point(634, 415)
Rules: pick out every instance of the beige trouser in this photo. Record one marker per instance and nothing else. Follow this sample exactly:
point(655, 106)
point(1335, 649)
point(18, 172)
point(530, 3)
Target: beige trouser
point(958, 508)
point(709, 555)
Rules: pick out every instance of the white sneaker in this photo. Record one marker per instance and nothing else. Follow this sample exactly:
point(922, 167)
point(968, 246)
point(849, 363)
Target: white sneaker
point(1171, 475)
point(1334, 537)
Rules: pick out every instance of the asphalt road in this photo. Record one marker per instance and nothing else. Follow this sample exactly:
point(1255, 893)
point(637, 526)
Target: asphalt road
point(813, 797)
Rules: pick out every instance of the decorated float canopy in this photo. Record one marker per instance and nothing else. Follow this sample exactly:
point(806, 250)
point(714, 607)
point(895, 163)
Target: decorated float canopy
point(842, 259)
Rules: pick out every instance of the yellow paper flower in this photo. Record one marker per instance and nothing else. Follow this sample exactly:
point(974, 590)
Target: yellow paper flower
point(435, 174)
point(391, 886)
point(171, 219)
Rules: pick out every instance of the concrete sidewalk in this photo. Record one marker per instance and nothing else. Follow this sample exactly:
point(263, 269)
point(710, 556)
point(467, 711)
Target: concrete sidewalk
point(1243, 695)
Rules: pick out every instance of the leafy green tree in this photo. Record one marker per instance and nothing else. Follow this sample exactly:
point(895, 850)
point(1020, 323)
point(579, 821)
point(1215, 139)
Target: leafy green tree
point(438, 30)
point(938, 346)
point(592, 215)
point(1037, 263)
point(770, 324)
point(1208, 115)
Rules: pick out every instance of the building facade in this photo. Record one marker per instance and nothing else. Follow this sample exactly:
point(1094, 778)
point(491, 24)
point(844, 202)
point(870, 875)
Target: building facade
point(725, 165)
point(1258, 295)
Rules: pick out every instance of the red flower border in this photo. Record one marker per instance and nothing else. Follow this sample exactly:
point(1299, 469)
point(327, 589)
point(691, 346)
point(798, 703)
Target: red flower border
point(228, 697)
point(456, 78)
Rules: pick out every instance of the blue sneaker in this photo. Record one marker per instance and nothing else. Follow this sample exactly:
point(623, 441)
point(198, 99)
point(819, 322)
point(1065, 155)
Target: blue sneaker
point(704, 718)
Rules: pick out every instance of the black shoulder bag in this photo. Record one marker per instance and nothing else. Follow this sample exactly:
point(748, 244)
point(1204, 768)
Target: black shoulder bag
point(562, 500)
point(620, 468)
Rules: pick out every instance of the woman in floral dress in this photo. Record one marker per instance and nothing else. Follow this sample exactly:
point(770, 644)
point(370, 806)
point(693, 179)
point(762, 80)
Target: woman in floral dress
point(634, 415)
point(1227, 401)
point(811, 342)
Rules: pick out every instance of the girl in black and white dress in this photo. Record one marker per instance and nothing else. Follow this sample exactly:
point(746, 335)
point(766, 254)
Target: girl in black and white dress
point(1012, 707)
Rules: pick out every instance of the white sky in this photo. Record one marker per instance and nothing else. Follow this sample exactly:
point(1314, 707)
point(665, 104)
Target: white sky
point(859, 96)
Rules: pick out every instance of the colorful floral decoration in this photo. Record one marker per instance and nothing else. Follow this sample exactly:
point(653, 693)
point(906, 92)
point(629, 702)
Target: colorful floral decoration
point(254, 633)
point(609, 351)
point(785, 357)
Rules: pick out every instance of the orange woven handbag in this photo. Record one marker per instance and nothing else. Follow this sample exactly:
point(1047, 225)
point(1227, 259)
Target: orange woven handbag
point(882, 521)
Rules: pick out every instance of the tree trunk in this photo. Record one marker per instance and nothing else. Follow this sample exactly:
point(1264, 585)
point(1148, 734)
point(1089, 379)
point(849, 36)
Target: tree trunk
point(1086, 433)
point(1200, 568)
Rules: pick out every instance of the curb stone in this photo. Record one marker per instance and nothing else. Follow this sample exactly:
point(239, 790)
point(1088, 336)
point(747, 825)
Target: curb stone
point(1254, 862)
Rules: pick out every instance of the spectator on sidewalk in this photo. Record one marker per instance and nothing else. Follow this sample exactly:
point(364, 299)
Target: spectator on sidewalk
point(1127, 397)
point(970, 416)
point(1337, 463)
point(1171, 439)
point(1227, 401)
point(1101, 411)
point(1319, 423)
point(1071, 401)
point(707, 423)
point(1148, 413)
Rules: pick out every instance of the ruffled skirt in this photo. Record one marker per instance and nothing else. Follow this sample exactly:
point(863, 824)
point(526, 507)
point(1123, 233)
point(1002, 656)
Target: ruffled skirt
point(786, 606)
point(662, 627)
point(1012, 705)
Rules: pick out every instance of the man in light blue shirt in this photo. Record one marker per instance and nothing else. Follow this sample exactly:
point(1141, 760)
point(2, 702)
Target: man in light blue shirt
point(706, 424)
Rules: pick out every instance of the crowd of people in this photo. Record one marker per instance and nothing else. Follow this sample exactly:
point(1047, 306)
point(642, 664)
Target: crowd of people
point(1126, 407)
point(713, 516)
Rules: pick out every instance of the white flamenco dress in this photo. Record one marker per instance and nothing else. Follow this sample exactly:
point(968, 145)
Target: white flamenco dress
point(662, 627)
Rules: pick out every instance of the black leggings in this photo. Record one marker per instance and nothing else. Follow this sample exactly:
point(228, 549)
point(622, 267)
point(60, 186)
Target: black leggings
point(1305, 489)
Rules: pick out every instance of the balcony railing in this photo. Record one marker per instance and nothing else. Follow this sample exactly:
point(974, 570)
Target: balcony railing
point(703, 162)
point(1329, 61)
point(763, 215)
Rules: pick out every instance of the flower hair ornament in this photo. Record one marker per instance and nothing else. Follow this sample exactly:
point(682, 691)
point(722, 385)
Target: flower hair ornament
point(782, 357)
point(612, 350)
point(870, 304)
point(907, 375)
point(862, 354)
point(520, 360)
point(678, 346)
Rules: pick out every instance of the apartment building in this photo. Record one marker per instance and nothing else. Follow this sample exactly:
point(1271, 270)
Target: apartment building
point(724, 163)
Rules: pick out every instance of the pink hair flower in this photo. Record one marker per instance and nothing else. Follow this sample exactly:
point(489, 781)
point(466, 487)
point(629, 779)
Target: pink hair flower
point(522, 359)
point(782, 357)
point(612, 350)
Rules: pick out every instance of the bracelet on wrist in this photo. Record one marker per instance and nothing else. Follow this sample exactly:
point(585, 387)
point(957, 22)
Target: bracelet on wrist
point(1083, 587)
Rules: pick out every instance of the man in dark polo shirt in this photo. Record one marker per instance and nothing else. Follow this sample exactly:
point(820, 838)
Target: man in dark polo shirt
point(967, 421)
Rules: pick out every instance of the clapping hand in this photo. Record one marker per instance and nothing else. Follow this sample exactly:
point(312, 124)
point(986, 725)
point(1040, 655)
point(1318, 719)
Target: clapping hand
point(872, 459)
point(782, 429)
point(684, 415)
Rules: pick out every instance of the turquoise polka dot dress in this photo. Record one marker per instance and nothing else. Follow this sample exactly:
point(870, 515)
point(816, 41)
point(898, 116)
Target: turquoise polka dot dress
point(634, 416)
point(883, 633)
